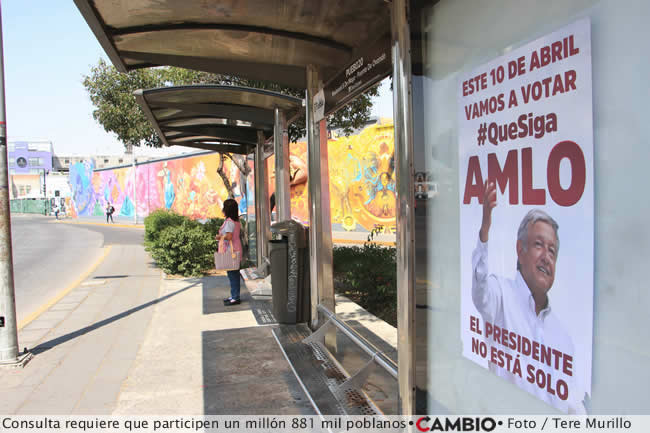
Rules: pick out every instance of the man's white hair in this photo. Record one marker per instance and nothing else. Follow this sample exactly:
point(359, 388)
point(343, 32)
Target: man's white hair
point(531, 218)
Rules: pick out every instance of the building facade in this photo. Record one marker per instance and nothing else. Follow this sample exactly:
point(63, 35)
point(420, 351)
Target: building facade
point(28, 163)
point(33, 168)
point(62, 163)
point(29, 157)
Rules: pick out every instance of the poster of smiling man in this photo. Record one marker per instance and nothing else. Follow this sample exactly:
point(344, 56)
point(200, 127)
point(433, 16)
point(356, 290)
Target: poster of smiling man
point(527, 216)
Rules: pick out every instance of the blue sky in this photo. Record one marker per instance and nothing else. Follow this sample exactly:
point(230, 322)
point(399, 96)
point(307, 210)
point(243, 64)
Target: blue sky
point(48, 48)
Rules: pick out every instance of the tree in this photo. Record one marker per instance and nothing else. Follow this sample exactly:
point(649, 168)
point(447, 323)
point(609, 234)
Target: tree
point(353, 116)
point(116, 109)
point(111, 92)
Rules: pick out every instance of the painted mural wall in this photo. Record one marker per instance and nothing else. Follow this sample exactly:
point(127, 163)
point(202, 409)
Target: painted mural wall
point(362, 179)
point(189, 186)
point(362, 183)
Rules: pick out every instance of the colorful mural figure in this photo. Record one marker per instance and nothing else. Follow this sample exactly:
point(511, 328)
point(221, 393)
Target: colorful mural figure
point(362, 179)
point(80, 183)
point(361, 169)
point(366, 192)
point(168, 187)
point(147, 189)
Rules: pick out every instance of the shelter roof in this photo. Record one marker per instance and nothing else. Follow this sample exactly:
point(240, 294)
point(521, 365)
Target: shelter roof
point(270, 40)
point(219, 118)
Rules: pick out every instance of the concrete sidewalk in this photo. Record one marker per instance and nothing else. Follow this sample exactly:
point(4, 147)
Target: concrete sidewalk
point(201, 357)
point(129, 341)
point(84, 345)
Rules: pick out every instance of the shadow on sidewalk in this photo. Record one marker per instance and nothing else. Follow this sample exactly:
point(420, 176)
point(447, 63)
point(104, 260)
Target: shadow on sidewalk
point(216, 289)
point(244, 370)
point(47, 345)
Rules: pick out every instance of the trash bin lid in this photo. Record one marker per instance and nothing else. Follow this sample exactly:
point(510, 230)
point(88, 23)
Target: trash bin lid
point(288, 227)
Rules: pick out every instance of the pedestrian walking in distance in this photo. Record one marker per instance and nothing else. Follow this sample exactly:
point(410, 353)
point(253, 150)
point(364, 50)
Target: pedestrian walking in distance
point(109, 212)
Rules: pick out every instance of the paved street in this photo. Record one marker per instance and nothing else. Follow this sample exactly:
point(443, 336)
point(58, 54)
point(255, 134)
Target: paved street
point(48, 257)
point(85, 344)
point(116, 234)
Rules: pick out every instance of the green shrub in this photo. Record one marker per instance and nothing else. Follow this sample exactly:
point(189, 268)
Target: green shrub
point(213, 225)
point(181, 245)
point(368, 275)
point(186, 249)
point(156, 222)
point(344, 258)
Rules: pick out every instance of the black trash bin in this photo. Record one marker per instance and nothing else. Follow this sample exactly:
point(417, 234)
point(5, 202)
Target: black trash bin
point(278, 255)
point(289, 258)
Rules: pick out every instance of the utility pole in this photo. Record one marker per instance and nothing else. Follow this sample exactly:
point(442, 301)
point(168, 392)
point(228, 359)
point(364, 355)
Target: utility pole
point(44, 190)
point(130, 151)
point(9, 355)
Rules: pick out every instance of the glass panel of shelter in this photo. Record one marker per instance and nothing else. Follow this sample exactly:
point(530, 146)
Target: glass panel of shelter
point(453, 41)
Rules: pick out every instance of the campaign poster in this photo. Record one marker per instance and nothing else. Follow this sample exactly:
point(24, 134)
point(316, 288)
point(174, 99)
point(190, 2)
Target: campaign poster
point(527, 216)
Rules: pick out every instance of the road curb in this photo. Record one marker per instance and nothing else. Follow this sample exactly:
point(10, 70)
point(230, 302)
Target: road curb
point(43, 308)
point(90, 223)
point(361, 242)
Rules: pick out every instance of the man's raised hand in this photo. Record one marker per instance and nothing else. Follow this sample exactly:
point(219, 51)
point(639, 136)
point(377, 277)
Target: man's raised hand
point(489, 202)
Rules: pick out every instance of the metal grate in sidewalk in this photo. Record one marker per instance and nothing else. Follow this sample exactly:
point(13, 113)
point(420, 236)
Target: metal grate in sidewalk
point(320, 375)
point(263, 311)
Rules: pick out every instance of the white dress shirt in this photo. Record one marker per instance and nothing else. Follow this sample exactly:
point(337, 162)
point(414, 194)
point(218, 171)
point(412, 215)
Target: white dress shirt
point(509, 304)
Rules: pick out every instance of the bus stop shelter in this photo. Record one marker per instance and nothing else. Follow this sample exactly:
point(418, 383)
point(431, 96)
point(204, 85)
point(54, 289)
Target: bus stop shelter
point(228, 119)
point(332, 51)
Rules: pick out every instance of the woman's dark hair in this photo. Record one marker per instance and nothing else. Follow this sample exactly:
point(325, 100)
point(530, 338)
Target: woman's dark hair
point(231, 209)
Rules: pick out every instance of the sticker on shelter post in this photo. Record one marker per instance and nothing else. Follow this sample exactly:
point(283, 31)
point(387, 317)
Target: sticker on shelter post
point(527, 216)
point(319, 106)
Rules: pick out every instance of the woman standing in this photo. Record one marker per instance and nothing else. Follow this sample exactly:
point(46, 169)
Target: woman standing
point(228, 237)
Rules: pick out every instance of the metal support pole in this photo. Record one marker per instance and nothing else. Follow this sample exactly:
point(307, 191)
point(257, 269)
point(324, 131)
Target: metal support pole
point(282, 167)
point(402, 115)
point(8, 326)
point(43, 191)
point(320, 230)
point(45, 200)
point(135, 181)
point(262, 216)
point(243, 188)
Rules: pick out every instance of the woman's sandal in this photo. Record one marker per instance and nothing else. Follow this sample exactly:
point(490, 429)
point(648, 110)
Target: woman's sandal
point(232, 302)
